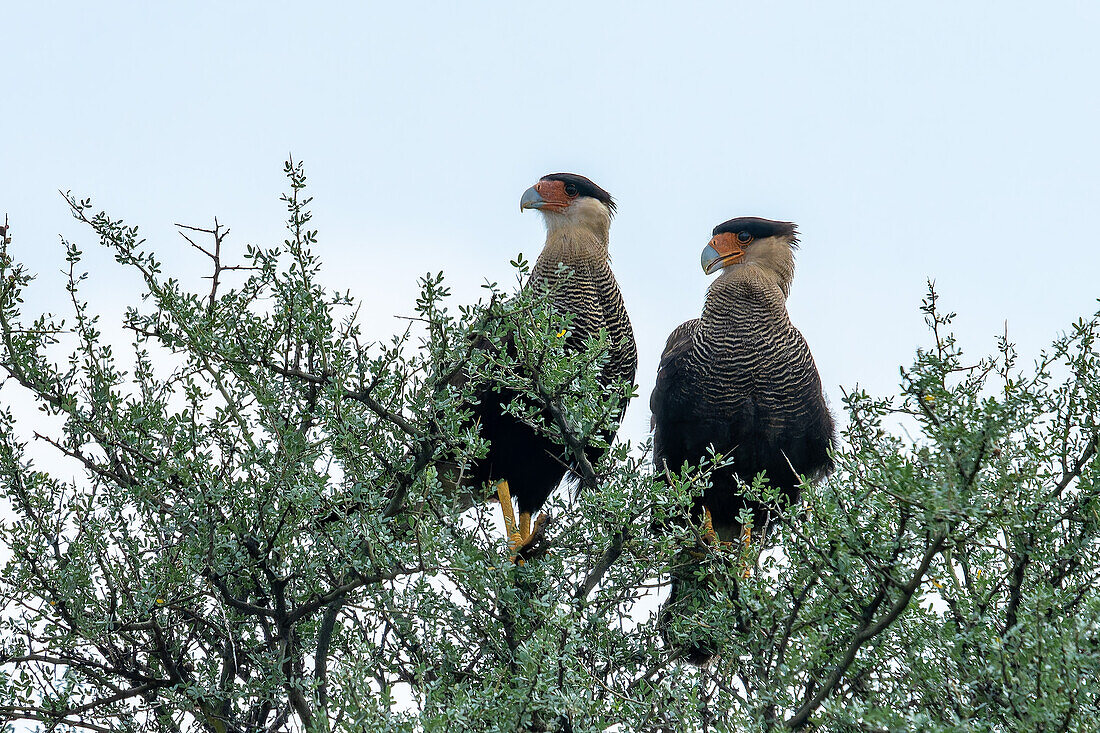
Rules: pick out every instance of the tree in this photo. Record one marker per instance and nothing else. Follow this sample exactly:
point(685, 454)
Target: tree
point(256, 537)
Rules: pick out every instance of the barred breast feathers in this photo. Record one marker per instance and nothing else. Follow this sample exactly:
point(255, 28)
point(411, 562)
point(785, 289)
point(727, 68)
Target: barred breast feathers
point(587, 288)
point(746, 342)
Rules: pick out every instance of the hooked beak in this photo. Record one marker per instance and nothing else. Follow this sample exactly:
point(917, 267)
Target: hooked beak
point(723, 250)
point(710, 259)
point(531, 199)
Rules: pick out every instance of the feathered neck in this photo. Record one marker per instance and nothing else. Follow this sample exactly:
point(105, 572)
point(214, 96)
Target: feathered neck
point(768, 263)
point(743, 284)
point(579, 233)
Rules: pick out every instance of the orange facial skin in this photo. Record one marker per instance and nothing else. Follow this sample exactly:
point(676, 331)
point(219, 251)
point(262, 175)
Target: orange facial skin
point(728, 249)
point(553, 193)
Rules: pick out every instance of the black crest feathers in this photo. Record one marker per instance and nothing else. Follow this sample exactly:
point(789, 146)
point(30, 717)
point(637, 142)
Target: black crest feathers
point(585, 187)
point(758, 228)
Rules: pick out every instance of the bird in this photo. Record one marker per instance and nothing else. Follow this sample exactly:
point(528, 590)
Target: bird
point(574, 271)
point(740, 381)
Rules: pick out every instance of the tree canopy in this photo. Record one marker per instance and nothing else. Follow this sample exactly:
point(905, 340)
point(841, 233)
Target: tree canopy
point(243, 528)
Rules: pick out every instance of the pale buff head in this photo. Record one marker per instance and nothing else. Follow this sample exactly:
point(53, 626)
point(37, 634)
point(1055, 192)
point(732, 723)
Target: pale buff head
point(755, 248)
point(576, 211)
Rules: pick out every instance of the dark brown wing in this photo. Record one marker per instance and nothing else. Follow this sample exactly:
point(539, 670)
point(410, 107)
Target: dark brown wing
point(665, 402)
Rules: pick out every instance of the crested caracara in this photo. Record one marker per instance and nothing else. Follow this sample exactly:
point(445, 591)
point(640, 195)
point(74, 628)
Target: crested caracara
point(523, 462)
point(740, 381)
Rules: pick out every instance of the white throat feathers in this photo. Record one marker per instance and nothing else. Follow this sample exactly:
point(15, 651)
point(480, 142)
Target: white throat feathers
point(580, 231)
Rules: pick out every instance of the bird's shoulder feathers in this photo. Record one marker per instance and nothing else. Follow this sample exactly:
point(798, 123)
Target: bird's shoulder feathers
point(673, 359)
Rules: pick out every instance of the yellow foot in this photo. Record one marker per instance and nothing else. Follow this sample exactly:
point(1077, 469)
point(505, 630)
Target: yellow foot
point(518, 535)
point(521, 538)
point(526, 534)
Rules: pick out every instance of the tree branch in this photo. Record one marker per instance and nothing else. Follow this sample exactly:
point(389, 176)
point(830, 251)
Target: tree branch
point(866, 632)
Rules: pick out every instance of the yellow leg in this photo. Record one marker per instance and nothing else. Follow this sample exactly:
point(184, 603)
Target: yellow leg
point(708, 528)
point(505, 498)
point(524, 527)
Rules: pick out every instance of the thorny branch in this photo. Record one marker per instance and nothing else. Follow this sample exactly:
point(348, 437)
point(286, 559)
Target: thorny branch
point(219, 236)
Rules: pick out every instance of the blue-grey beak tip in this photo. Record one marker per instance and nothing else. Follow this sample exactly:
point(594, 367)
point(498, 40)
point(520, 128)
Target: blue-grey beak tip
point(531, 199)
point(708, 258)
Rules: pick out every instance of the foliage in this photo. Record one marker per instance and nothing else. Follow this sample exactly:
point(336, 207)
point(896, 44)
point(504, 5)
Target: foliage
point(257, 537)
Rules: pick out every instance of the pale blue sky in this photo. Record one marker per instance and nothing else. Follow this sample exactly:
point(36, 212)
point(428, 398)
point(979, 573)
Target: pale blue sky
point(933, 139)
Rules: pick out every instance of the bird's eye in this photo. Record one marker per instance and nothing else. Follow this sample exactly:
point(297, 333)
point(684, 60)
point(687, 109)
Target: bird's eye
point(570, 190)
point(744, 237)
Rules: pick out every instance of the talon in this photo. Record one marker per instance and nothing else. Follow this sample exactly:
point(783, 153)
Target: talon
point(519, 539)
point(528, 534)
